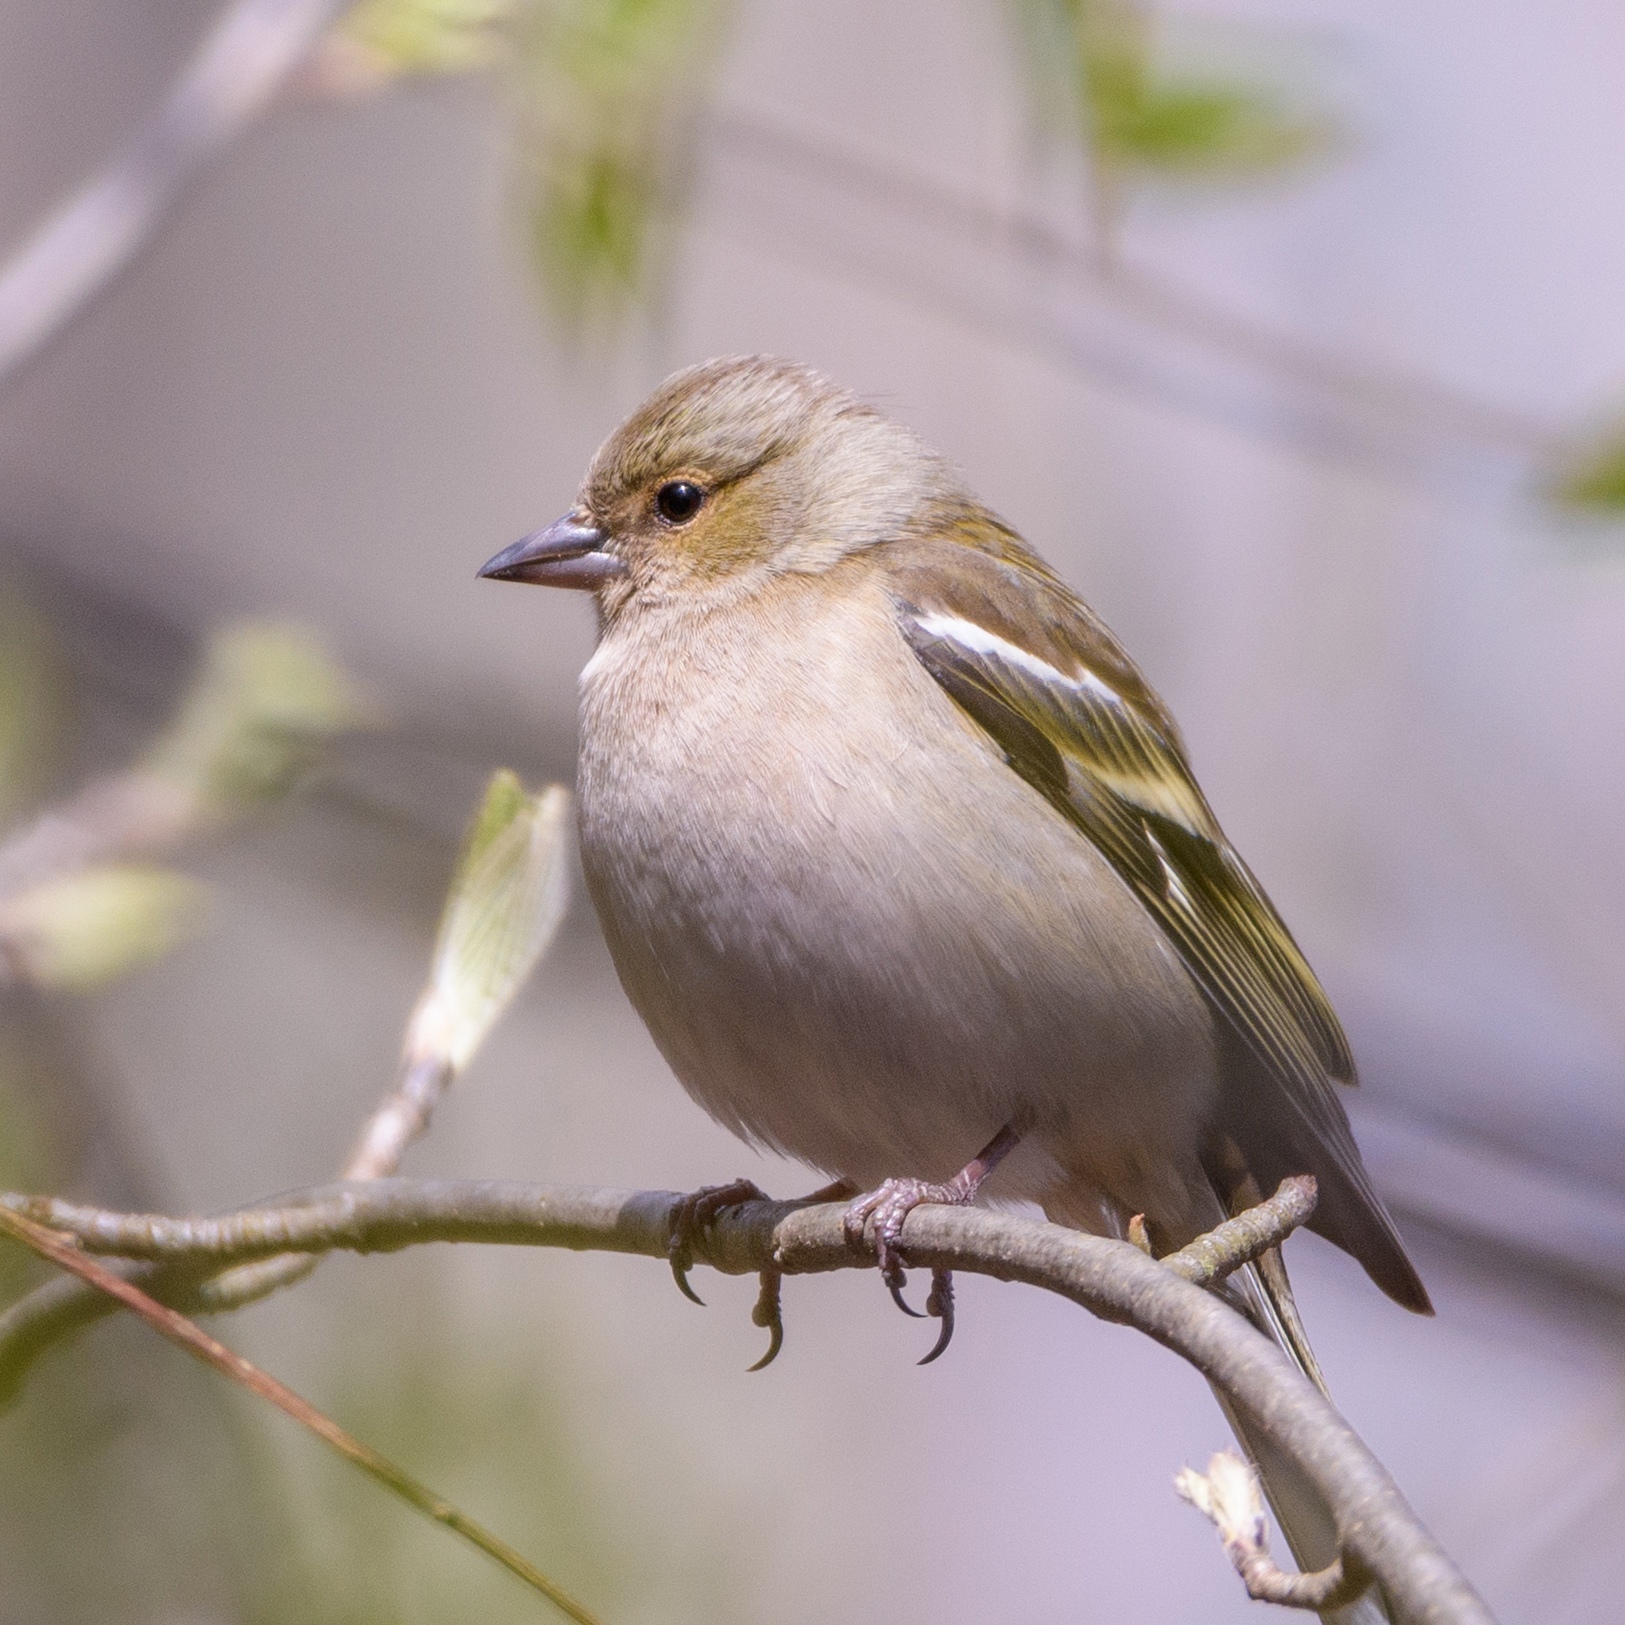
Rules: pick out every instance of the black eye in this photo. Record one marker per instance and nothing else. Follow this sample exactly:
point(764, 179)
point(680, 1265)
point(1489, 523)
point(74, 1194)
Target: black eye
point(678, 501)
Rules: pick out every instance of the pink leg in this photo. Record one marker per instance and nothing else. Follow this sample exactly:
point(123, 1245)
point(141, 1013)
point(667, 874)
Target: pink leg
point(896, 1199)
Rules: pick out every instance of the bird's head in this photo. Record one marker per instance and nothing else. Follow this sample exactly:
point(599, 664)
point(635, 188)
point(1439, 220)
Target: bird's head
point(731, 473)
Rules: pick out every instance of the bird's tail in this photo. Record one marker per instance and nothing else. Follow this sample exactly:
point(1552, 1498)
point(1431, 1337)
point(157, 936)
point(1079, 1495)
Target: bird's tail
point(1266, 1295)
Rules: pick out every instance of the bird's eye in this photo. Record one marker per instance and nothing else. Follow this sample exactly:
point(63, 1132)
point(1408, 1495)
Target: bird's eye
point(678, 501)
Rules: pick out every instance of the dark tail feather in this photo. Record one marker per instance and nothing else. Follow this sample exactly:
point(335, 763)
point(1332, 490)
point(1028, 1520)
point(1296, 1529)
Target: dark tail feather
point(1270, 1132)
point(1305, 1520)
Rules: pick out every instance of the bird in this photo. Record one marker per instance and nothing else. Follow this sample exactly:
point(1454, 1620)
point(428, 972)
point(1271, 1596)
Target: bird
point(904, 865)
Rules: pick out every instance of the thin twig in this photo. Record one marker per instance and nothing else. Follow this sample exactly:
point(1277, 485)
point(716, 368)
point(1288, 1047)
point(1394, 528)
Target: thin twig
point(255, 714)
point(1230, 1496)
point(1319, 1590)
point(401, 1117)
point(231, 79)
point(1224, 1249)
point(179, 1330)
point(1112, 1279)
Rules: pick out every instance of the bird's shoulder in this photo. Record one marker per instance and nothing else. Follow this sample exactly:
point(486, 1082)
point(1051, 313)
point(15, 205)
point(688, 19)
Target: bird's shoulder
point(967, 564)
point(1033, 663)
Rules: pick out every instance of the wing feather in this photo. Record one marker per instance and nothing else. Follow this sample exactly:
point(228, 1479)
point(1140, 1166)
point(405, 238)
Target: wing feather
point(1105, 753)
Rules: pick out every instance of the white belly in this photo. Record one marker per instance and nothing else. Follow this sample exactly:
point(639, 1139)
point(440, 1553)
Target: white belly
point(855, 934)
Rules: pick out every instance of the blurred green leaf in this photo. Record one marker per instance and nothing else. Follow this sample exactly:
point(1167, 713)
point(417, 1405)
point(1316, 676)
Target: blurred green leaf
point(90, 926)
point(1196, 129)
point(507, 897)
point(265, 702)
point(610, 93)
point(407, 37)
point(1590, 479)
point(505, 802)
point(1100, 74)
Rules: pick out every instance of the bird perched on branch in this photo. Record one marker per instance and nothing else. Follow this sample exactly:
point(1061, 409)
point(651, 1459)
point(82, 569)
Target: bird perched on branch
point(903, 862)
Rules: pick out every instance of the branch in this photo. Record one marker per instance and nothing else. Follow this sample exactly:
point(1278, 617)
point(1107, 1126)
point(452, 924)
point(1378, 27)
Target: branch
point(507, 896)
point(1224, 1249)
point(399, 1119)
point(231, 80)
point(263, 702)
point(1112, 1279)
point(134, 813)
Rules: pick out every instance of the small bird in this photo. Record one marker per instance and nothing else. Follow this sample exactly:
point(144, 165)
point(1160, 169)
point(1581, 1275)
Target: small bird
point(904, 865)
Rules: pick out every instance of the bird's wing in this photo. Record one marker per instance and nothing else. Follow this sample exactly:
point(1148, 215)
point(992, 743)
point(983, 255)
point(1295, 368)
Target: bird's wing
point(1036, 669)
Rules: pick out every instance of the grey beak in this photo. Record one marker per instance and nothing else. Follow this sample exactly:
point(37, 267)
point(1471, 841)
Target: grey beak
point(569, 553)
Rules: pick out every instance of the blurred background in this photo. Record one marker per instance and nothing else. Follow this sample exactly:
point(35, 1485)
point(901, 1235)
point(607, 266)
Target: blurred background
point(1290, 331)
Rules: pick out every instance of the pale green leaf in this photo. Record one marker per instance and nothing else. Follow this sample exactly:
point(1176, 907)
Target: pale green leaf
point(1104, 72)
point(506, 900)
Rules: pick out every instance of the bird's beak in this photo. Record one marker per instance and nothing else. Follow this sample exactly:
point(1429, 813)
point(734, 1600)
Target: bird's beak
point(569, 553)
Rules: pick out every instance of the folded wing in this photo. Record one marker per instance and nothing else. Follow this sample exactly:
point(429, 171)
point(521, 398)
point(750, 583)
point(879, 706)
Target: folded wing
point(1036, 669)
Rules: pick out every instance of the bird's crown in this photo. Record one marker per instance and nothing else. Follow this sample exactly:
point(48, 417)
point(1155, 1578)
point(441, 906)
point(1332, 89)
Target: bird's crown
point(754, 465)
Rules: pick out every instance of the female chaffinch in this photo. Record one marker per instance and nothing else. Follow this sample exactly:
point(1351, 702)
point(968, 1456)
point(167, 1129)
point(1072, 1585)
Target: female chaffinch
point(899, 856)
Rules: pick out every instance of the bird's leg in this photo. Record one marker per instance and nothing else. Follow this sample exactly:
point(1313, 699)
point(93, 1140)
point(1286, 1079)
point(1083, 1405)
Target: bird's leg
point(896, 1199)
point(694, 1214)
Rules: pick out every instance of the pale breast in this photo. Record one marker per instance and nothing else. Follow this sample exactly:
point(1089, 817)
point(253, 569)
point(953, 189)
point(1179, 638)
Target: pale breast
point(855, 934)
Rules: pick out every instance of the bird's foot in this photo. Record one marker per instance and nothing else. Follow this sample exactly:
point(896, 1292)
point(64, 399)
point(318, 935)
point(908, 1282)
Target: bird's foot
point(891, 1205)
point(769, 1310)
point(696, 1213)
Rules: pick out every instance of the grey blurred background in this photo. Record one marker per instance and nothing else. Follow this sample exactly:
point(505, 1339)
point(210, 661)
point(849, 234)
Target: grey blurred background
point(1299, 430)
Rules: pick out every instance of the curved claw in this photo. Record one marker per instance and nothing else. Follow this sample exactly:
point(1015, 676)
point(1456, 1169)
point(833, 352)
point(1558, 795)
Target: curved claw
point(894, 1285)
point(775, 1342)
point(892, 1203)
point(693, 1214)
point(768, 1313)
point(940, 1305)
point(680, 1267)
